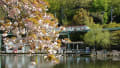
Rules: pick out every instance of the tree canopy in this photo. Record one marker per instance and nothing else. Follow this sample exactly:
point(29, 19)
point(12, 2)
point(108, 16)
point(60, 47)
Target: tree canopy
point(97, 37)
point(100, 10)
point(30, 24)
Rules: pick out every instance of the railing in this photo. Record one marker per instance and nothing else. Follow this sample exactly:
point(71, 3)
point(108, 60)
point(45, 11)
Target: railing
point(112, 29)
point(85, 29)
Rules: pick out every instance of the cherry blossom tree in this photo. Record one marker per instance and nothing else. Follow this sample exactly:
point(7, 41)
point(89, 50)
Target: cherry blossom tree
point(30, 24)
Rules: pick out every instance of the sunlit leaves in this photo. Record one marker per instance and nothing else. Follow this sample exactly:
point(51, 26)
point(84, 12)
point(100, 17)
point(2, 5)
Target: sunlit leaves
point(115, 35)
point(81, 17)
point(96, 36)
point(111, 25)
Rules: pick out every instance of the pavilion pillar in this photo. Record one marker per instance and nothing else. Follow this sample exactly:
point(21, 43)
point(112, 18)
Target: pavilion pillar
point(0, 42)
point(77, 46)
point(73, 46)
point(68, 43)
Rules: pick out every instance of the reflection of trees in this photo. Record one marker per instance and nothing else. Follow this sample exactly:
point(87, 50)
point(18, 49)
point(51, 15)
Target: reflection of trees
point(23, 61)
point(2, 60)
point(68, 61)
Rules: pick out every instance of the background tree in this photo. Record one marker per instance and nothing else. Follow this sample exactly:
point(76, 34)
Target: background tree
point(115, 35)
point(97, 37)
point(80, 17)
point(101, 6)
point(65, 9)
point(100, 10)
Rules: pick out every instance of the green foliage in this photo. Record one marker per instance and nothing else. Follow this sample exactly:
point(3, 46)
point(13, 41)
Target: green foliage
point(94, 3)
point(105, 6)
point(91, 36)
point(115, 37)
point(101, 6)
point(106, 3)
point(111, 25)
point(67, 8)
point(116, 6)
point(105, 40)
point(96, 36)
point(81, 17)
point(105, 17)
point(66, 22)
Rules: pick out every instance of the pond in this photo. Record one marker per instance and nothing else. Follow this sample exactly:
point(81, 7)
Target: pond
point(71, 61)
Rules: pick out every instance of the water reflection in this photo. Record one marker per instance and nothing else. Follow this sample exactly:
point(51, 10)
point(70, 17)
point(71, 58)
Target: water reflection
point(37, 61)
point(24, 61)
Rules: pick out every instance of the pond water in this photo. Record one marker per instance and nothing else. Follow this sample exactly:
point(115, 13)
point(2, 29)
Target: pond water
point(37, 61)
